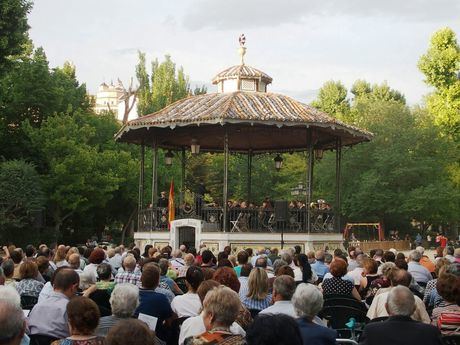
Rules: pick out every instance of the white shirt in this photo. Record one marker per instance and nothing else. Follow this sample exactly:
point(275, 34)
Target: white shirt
point(91, 269)
point(377, 308)
point(356, 275)
point(186, 305)
point(195, 326)
point(281, 307)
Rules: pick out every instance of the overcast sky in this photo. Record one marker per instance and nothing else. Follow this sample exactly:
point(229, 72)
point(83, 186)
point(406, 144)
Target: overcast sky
point(300, 43)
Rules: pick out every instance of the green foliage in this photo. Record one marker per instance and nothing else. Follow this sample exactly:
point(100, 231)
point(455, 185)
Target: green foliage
point(162, 87)
point(31, 91)
point(21, 197)
point(403, 173)
point(332, 99)
point(13, 29)
point(83, 168)
point(441, 67)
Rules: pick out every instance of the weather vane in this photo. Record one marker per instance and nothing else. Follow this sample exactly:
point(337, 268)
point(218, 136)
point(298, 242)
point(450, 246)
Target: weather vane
point(242, 49)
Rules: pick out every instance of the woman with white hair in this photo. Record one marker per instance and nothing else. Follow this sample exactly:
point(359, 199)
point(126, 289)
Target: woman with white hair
point(124, 300)
point(308, 301)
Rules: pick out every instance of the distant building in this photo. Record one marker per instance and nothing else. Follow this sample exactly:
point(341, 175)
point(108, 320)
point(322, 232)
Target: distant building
point(111, 98)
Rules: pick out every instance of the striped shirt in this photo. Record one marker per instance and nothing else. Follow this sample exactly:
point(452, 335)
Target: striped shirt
point(128, 277)
point(251, 303)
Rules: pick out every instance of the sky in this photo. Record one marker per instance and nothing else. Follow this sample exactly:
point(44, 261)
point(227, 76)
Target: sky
point(301, 44)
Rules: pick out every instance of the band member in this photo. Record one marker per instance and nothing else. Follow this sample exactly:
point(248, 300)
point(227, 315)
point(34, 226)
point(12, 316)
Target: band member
point(163, 200)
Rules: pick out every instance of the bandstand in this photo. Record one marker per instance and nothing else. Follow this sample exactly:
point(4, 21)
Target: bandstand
point(242, 117)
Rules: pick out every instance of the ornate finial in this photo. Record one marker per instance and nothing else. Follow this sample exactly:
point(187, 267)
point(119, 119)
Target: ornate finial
point(242, 48)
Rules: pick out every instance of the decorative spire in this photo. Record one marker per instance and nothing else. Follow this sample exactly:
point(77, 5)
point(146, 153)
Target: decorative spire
point(242, 48)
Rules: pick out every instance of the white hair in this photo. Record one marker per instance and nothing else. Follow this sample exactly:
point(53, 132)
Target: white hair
point(415, 255)
point(11, 321)
point(307, 300)
point(420, 249)
point(10, 294)
point(124, 300)
point(400, 301)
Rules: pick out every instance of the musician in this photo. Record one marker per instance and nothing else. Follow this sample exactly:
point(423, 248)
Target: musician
point(163, 201)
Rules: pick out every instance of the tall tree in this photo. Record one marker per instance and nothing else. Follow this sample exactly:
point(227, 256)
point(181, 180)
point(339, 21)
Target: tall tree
point(162, 87)
point(332, 99)
point(441, 66)
point(13, 28)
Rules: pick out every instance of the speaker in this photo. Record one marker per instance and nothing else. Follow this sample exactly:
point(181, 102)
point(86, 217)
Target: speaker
point(281, 211)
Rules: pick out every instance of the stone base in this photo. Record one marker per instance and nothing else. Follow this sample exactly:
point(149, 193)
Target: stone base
point(189, 231)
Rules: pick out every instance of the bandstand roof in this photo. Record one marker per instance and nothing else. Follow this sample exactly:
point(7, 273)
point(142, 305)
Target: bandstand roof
point(255, 120)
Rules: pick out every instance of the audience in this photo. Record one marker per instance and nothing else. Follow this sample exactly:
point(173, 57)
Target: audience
point(274, 304)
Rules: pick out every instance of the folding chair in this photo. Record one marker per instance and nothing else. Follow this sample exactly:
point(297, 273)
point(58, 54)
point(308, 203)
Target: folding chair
point(236, 223)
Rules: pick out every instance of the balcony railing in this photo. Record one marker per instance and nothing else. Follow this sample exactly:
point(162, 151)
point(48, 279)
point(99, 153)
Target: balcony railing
point(242, 219)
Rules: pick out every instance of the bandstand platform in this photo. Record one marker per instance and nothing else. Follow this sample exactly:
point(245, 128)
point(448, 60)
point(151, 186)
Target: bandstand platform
point(242, 117)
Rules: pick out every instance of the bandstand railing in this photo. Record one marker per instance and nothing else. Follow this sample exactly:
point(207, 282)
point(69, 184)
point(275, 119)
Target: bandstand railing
point(242, 219)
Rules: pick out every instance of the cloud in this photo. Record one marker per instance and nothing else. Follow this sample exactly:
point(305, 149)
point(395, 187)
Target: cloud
point(124, 51)
point(242, 14)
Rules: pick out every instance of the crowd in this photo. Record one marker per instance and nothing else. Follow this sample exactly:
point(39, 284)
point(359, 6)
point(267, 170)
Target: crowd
point(104, 295)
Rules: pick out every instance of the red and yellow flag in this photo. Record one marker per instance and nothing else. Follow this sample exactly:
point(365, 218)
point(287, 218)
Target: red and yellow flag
point(171, 209)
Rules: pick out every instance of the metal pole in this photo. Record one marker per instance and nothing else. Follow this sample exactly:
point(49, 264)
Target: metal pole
point(225, 191)
point(249, 176)
point(338, 168)
point(309, 184)
point(154, 174)
point(182, 176)
point(140, 204)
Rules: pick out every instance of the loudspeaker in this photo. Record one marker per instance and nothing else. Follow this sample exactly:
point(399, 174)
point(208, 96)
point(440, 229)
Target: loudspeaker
point(281, 211)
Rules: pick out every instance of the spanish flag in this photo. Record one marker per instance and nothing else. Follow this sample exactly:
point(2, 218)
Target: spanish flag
point(171, 210)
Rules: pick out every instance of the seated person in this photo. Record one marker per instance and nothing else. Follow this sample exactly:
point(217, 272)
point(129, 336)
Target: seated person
point(189, 304)
point(153, 303)
point(83, 315)
point(400, 328)
point(448, 287)
point(130, 332)
point(308, 302)
point(280, 329)
point(258, 297)
point(220, 309)
point(336, 285)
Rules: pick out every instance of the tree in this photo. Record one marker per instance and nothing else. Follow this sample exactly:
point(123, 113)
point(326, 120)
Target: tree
point(21, 197)
point(31, 91)
point(13, 28)
point(401, 174)
point(332, 99)
point(163, 87)
point(81, 169)
point(441, 67)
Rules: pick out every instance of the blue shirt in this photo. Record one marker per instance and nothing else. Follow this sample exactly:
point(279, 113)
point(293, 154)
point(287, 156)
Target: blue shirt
point(157, 305)
point(419, 272)
point(256, 304)
point(320, 268)
point(49, 316)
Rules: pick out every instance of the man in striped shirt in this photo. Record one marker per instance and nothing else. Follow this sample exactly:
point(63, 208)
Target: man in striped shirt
point(129, 275)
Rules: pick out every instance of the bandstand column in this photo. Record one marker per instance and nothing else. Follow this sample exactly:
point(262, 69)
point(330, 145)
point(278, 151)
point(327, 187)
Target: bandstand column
point(338, 168)
point(249, 187)
point(182, 178)
point(225, 191)
point(154, 174)
point(309, 180)
point(140, 204)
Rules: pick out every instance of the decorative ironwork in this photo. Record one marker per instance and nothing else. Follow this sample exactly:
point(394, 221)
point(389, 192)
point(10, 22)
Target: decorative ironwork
point(242, 220)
